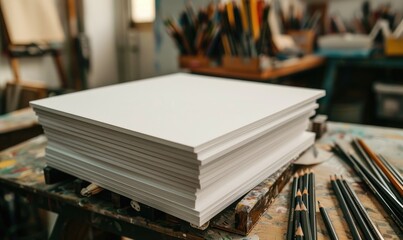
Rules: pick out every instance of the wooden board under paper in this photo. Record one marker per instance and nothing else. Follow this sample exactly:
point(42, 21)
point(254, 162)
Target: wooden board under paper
point(182, 110)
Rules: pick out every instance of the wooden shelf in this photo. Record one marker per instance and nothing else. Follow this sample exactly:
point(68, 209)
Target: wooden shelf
point(291, 67)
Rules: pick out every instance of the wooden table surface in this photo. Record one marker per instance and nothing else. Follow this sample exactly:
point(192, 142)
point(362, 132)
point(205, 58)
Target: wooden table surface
point(292, 67)
point(20, 171)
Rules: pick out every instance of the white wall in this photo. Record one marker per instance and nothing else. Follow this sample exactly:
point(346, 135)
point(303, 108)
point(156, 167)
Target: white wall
point(167, 57)
point(99, 26)
point(153, 61)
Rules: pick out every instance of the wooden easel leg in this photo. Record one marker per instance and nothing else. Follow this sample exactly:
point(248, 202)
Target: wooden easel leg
point(15, 68)
point(59, 65)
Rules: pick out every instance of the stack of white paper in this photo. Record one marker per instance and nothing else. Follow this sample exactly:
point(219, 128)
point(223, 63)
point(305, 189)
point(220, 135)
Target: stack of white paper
point(187, 145)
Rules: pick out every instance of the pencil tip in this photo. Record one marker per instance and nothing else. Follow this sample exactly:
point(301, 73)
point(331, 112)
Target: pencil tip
point(299, 231)
point(305, 191)
point(299, 193)
point(303, 207)
point(335, 177)
point(298, 207)
point(296, 175)
point(331, 178)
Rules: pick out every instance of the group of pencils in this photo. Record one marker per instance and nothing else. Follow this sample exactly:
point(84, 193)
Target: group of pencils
point(382, 178)
point(296, 17)
point(360, 224)
point(245, 28)
point(234, 29)
point(302, 218)
point(196, 34)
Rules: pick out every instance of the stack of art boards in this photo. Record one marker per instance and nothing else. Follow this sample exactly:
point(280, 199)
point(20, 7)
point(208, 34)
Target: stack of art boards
point(187, 145)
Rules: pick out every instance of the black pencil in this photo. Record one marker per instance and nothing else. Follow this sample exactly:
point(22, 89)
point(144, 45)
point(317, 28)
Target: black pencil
point(306, 180)
point(368, 160)
point(305, 197)
point(355, 212)
point(312, 204)
point(306, 228)
point(297, 214)
point(391, 168)
point(347, 215)
point(306, 193)
point(293, 193)
point(301, 180)
point(364, 213)
point(299, 234)
point(329, 226)
point(299, 196)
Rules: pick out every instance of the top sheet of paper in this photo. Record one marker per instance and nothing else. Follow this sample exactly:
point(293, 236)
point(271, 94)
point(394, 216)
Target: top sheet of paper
point(180, 110)
point(33, 21)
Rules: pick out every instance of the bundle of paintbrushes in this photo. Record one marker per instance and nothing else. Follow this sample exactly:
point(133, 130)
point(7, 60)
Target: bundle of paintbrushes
point(196, 34)
point(245, 29)
point(293, 15)
point(360, 224)
point(232, 29)
point(302, 219)
point(381, 177)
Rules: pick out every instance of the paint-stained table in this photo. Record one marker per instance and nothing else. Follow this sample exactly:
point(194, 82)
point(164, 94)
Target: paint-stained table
point(21, 172)
point(18, 126)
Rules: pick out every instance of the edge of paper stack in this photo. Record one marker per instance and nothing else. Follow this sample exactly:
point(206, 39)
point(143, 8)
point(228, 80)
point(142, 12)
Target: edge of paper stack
point(184, 144)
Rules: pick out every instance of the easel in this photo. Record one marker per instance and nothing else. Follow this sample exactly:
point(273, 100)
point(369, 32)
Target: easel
point(16, 89)
point(19, 43)
point(34, 50)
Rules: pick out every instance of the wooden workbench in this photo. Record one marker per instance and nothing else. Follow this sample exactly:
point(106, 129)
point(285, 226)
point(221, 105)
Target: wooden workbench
point(292, 67)
point(23, 174)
